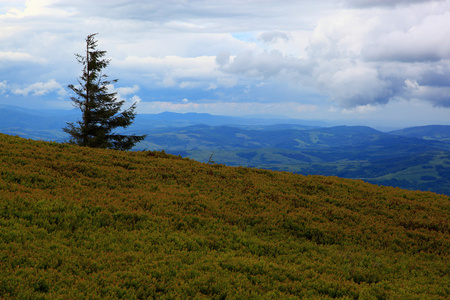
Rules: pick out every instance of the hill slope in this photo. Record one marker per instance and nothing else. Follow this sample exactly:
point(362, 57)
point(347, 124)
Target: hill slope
point(410, 162)
point(431, 132)
point(415, 158)
point(87, 223)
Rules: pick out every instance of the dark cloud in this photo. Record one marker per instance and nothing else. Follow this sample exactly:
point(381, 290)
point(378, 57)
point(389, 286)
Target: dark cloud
point(365, 57)
point(273, 36)
point(223, 58)
point(437, 76)
point(438, 96)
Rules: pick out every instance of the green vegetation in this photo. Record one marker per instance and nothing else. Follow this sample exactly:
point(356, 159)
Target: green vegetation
point(428, 171)
point(416, 158)
point(79, 223)
point(360, 152)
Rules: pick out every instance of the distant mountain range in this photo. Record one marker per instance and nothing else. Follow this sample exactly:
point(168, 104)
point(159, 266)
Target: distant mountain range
point(412, 158)
point(416, 158)
point(47, 124)
point(431, 132)
point(290, 137)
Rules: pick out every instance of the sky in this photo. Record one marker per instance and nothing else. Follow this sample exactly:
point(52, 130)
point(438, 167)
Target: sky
point(366, 62)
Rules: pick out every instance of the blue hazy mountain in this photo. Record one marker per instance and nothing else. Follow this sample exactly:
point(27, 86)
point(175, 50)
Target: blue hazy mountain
point(171, 119)
point(412, 158)
point(431, 132)
point(290, 137)
point(35, 124)
point(47, 124)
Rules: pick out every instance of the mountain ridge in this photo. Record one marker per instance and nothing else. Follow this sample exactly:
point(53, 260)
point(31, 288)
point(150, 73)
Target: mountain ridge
point(413, 158)
point(430, 132)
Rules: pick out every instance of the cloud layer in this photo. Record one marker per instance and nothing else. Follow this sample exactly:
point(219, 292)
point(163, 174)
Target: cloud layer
point(336, 56)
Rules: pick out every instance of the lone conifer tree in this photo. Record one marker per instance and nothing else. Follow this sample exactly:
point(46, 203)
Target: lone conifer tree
point(100, 108)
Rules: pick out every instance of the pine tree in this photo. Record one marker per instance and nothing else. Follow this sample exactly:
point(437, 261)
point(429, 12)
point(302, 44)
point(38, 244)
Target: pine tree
point(100, 108)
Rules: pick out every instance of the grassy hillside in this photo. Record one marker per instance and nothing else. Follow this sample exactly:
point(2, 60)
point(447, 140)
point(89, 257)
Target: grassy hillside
point(417, 158)
point(80, 223)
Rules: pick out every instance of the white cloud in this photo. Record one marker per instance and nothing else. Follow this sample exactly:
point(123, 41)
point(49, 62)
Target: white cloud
point(10, 56)
point(173, 71)
point(427, 40)
point(135, 99)
point(171, 66)
point(31, 8)
point(362, 109)
point(364, 56)
point(262, 65)
point(211, 86)
point(356, 85)
point(168, 82)
point(189, 84)
point(290, 109)
point(381, 3)
point(41, 89)
point(3, 86)
point(411, 84)
point(438, 96)
point(227, 81)
point(124, 91)
point(358, 53)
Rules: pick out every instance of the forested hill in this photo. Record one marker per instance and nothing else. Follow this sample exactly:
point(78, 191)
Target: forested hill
point(431, 132)
point(81, 223)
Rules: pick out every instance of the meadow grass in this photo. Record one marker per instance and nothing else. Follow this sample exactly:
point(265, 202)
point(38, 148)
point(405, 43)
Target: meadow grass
point(80, 223)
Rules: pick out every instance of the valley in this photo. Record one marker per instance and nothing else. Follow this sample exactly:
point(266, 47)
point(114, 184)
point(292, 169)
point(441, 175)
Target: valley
point(416, 158)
